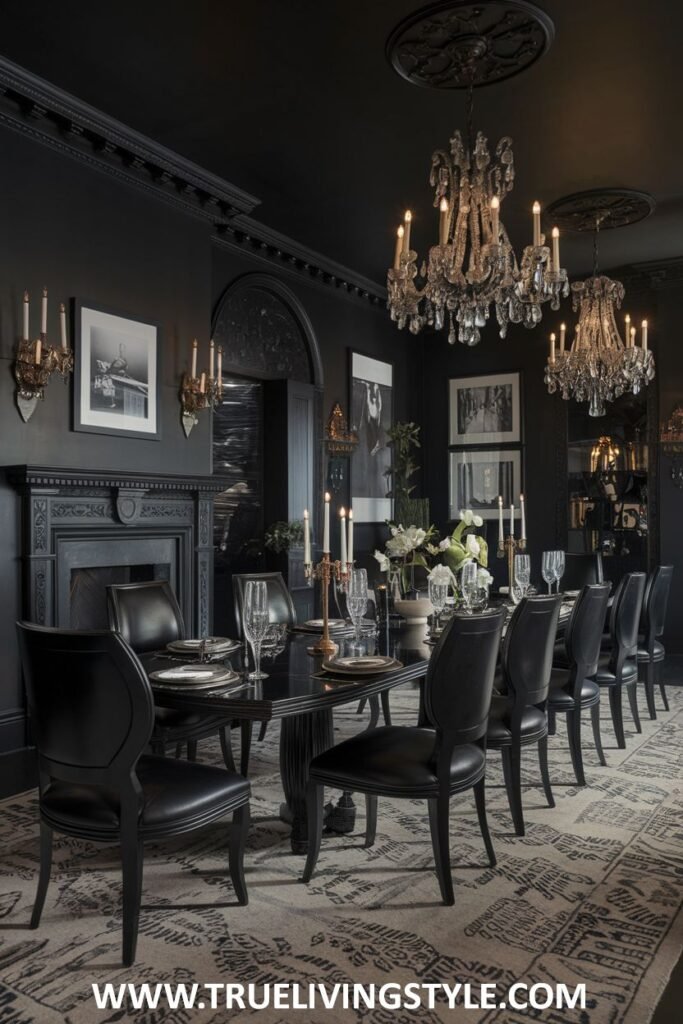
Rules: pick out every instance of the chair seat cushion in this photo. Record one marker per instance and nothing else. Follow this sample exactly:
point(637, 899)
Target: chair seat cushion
point(560, 696)
point(533, 725)
point(644, 654)
point(174, 792)
point(605, 676)
point(395, 759)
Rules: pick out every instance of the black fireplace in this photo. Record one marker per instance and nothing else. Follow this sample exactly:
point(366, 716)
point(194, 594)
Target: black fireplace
point(83, 530)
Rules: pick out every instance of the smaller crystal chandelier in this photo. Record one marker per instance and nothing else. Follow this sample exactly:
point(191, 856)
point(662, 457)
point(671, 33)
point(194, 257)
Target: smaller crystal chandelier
point(600, 365)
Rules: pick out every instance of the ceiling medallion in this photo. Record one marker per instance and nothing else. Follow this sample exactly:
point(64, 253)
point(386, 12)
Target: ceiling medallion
point(473, 266)
point(600, 365)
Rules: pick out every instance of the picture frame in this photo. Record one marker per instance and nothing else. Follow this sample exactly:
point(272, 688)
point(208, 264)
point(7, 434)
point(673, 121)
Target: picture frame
point(371, 383)
point(477, 477)
point(485, 409)
point(116, 373)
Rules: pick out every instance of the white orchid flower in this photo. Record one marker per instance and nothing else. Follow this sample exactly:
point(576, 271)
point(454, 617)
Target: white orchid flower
point(383, 560)
point(443, 575)
point(467, 516)
point(444, 544)
point(477, 520)
point(472, 546)
point(484, 578)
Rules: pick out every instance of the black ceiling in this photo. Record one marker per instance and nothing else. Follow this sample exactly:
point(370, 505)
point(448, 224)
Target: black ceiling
point(294, 101)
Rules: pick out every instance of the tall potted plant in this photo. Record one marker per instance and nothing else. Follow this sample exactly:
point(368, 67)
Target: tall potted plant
point(404, 439)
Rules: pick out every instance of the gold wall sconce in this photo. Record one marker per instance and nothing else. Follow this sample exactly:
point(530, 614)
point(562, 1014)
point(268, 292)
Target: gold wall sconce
point(37, 360)
point(340, 443)
point(201, 390)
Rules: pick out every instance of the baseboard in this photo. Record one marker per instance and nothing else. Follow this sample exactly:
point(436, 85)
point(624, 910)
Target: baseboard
point(18, 771)
point(12, 730)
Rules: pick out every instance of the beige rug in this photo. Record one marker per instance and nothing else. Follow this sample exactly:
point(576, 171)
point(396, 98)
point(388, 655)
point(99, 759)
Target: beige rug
point(591, 894)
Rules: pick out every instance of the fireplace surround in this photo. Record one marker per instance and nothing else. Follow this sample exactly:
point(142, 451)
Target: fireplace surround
point(113, 525)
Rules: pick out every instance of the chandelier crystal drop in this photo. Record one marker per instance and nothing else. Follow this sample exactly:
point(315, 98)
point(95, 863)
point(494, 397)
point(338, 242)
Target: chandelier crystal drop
point(473, 267)
point(600, 365)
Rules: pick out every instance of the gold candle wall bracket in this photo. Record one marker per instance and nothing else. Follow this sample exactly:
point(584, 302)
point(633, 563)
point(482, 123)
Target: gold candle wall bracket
point(35, 363)
point(324, 572)
point(508, 549)
point(196, 394)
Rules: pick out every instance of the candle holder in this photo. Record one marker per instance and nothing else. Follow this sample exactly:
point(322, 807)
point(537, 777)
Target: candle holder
point(35, 363)
point(508, 549)
point(324, 571)
point(194, 398)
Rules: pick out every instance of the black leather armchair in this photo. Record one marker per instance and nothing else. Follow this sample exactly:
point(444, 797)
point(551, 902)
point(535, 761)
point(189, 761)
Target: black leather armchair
point(617, 668)
point(92, 715)
point(423, 763)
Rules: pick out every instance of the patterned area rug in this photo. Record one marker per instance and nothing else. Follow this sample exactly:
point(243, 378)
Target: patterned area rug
point(591, 894)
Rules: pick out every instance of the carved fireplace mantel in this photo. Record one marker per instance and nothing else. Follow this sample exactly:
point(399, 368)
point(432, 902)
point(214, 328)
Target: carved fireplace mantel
point(73, 517)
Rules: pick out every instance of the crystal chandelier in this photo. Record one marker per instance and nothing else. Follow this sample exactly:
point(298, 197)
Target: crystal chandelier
point(600, 365)
point(473, 266)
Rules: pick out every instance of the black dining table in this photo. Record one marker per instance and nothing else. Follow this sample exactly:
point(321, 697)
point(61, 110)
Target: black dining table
point(300, 693)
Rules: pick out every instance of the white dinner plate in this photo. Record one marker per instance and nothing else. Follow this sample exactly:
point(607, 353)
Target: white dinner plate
point(213, 645)
point(366, 664)
point(193, 677)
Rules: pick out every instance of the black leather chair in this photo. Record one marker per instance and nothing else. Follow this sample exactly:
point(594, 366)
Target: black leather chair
point(572, 688)
point(423, 763)
point(92, 715)
point(581, 570)
point(148, 617)
point(518, 715)
point(651, 652)
point(617, 668)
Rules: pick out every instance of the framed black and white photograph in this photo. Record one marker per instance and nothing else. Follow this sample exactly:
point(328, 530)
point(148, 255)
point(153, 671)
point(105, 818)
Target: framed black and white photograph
point(476, 478)
point(116, 374)
point(371, 419)
point(485, 410)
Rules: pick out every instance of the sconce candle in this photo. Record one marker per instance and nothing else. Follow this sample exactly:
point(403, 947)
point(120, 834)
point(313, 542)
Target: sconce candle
point(326, 525)
point(350, 551)
point(536, 210)
point(62, 325)
point(39, 352)
point(342, 526)
point(43, 313)
point(25, 333)
point(307, 539)
point(194, 358)
point(211, 359)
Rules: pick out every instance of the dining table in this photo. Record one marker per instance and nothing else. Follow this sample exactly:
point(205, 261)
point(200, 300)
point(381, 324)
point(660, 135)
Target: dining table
point(300, 693)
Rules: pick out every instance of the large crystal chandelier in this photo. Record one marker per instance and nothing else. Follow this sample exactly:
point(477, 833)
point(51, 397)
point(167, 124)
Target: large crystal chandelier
point(473, 267)
point(600, 365)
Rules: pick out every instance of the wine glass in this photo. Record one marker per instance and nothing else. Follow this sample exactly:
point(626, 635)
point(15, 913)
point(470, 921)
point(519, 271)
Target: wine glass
point(357, 603)
point(438, 592)
point(469, 585)
point(559, 567)
point(548, 569)
point(522, 573)
point(256, 622)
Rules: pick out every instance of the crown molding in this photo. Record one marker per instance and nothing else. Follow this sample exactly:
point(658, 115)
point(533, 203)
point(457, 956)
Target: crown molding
point(41, 111)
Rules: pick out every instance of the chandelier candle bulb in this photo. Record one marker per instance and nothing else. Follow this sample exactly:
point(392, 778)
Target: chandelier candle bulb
point(644, 335)
point(307, 539)
point(536, 210)
point(326, 525)
point(193, 374)
point(408, 219)
point(43, 313)
point(556, 250)
point(633, 337)
point(522, 535)
point(39, 352)
point(342, 525)
point(563, 333)
point(443, 222)
point(350, 551)
point(399, 247)
point(628, 331)
point(512, 520)
point(211, 359)
point(500, 521)
point(26, 330)
point(220, 366)
point(552, 348)
point(495, 222)
point(202, 383)
point(62, 325)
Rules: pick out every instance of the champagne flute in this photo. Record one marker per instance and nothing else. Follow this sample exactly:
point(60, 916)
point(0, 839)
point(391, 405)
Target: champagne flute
point(469, 585)
point(357, 603)
point(547, 568)
point(438, 592)
point(522, 573)
point(256, 622)
point(559, 567)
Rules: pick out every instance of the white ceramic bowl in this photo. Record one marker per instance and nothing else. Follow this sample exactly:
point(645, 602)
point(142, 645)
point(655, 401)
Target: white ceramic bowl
point(414, 612)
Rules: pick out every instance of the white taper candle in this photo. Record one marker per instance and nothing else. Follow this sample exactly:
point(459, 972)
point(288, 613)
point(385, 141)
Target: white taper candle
point(326, 525)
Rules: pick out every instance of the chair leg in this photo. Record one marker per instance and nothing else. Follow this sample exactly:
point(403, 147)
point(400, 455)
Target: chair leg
point(480, 800)
point(314, 811)
point(238, 840)
point(178, 750)
point(226, 748)
point(262, 732)
point(44, 876)
point(617, 715)
point(191, 750)
point(245, 749)
point(439, 809)
point(632, 692)
point(361, 705)
point(386, 710)
point(650, 688)
point(552, 725)
point(374, 712)
point(131, 862)
point(574, 736)
point(370, 819)
point(545, 777)
point(662, 689)
point(513, 785)
point(595, 721)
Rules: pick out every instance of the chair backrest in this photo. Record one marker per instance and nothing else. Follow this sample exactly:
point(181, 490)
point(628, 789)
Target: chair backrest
point(145, 614)
point(527, 653)
point(460, 675)
point(584, 629)
point(655, 602)
point(580, 570)
point(625, 616)
point(90, 703)
point(280, 604)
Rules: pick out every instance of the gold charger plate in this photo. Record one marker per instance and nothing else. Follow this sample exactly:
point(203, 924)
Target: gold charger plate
point(365, 665)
